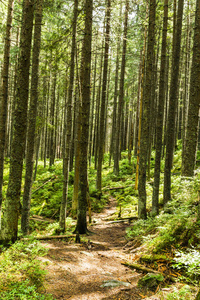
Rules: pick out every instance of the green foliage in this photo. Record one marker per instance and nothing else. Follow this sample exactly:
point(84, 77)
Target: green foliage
point(188, 261)
point(23, 290)
point(183, 294)
point(21, 273)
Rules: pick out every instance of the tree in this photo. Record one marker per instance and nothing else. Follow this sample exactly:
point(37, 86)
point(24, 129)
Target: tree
point(160, 115)
point(32, 120)
point(81, 226)
point(12, 202)
point(194, 102)
point(173, 99)
point(146, 112)
point(69, 123)
point(121, 94)
point(103, 99)
point(4, 94)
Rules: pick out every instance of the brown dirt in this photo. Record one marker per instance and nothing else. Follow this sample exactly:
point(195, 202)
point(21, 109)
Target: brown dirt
point(78, 271)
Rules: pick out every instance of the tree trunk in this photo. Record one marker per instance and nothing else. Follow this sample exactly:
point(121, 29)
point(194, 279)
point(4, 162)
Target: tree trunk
point(114, 115)
point(66, 158)
point(103, 99)
point(194, 102)
point(160, 114)
point(32, 120)
point(4, 95)
point(145, 113)
point(81, 226)
point(172, 104)
point(12, 202)
point(117, 146)
point(52, 119)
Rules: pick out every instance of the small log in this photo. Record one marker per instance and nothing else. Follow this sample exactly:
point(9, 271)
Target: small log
point(123, 220)
point(51, 237)
point(145, 269)
point(140, 267)
point(156, 257)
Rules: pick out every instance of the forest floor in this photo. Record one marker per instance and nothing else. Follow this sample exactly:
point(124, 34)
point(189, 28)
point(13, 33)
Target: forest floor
point(93, 270)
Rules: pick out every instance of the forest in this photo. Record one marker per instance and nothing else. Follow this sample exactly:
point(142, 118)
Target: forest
point(100, 148)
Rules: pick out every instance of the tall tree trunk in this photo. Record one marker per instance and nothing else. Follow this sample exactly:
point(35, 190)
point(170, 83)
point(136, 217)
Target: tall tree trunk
point(114, 114)
point(172, 104)
point(140, 102)
point(121, 94)
point(32, 120)
point(160, 114)
point(103, 99)
point(52, 118)
point(81, 226)
point(12, 202)
point(194, 102)
point(186, 81)
point(66, 158)
point(4, 94)
point(145, 112)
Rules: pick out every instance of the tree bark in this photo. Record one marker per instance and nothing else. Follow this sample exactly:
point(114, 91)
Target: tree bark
point(172, 104)
point(160, 114)
point(12, 202)
point(117, 146)
point(66, 158)
point(194, 102)
point(145, 113)
point(81, 226)
point(32, 120)
point(103, 99)
point(4, 95)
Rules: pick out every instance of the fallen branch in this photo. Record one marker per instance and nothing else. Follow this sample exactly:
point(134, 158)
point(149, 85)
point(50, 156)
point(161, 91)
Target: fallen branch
point(114, 188)
point(140, 267)
point(156, 257)
point(41, 219)
point(145, 269)
point(54, 177)
point(123, 220)
point(51, 237)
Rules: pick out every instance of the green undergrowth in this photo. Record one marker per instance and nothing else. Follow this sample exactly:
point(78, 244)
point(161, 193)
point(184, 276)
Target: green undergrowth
point(176, 230)
point(21, 273)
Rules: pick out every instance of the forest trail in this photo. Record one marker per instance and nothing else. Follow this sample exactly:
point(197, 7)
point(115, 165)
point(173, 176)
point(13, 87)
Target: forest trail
point(85, 271)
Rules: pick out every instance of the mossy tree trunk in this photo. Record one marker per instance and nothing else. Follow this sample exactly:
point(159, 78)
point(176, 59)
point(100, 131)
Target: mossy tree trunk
point(66, 157)
point(117, 146)
point(173, 99)
point(103, 97)
point(12, 202)
point(194, 102)
point(4, 94)
point(114, 113)
point(146, 112)
point(160, 114)
point(81, 226)
point(32, 120)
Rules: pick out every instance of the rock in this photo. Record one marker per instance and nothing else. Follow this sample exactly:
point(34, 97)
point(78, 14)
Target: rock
point(114, 283)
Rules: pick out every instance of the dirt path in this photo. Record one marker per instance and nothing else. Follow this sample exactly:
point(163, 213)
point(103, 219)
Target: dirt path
point(85, 271)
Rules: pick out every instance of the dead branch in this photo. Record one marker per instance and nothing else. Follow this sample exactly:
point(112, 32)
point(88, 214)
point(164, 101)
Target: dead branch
point(51, 237)
point(145, 269)
point(54, 177)
point(41, 219)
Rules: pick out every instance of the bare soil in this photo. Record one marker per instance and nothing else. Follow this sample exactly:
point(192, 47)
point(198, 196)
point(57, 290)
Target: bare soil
point(80, 271)
point(85, 271)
